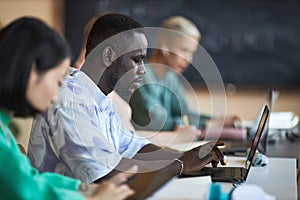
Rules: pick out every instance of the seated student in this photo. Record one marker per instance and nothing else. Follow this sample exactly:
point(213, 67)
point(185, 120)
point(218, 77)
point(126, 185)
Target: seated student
point(162, 97)
point(33, 61)
point(82, 134)
point(183, 134)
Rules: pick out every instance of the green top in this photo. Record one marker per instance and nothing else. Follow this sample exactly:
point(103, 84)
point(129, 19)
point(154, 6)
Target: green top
point(19, 180)
point(163, 100)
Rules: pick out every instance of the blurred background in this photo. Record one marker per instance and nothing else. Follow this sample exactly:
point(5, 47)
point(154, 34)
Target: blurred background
point(255, 44)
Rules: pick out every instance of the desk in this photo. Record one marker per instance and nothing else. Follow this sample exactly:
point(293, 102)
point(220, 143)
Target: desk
point(284, 148)
point(278, 179)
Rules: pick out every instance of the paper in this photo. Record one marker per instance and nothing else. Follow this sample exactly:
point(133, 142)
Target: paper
point(247, 123)
point(184, 188)
point(187, 146)
point(283, 120)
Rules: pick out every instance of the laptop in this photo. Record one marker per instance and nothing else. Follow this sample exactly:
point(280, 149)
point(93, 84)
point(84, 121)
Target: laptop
point(240, 149)
point(270, 101)
point(237, 174)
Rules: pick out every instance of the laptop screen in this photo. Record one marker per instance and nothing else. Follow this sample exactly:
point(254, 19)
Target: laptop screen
point(255, 141)
point(270, 101)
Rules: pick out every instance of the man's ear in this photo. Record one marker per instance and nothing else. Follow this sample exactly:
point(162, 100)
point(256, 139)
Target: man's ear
point(108, 56)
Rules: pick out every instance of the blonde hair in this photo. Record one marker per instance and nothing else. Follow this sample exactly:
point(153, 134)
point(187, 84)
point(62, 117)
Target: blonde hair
point(182, 25)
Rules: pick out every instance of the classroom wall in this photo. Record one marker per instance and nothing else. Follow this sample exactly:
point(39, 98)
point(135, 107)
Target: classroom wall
point(261, 50)
point(51, 11)
point(247, 102)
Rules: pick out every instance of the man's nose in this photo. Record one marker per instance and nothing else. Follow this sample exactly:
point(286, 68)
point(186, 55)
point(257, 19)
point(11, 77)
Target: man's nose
point(141, 69)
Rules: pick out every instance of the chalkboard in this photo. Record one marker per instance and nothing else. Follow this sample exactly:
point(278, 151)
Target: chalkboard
point(253, 42)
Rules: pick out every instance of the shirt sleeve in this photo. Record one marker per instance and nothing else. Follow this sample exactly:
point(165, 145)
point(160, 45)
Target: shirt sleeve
point(130, 142)
point(21, 181)
point(81, 140)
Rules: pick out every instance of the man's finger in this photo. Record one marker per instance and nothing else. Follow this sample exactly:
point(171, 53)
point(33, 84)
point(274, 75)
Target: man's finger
point(220, 143)
point(220, 155)
point(214, 163)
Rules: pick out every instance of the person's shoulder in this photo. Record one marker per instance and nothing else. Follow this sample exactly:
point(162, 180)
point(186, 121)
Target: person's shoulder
point(173, 77)
point(74, 75)
point(173, 74)
point(78, 90)
point(76, 86)
point(40, 125)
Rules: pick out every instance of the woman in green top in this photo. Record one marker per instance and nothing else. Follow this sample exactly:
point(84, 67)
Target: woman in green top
point(160, 104)
point(33, 61)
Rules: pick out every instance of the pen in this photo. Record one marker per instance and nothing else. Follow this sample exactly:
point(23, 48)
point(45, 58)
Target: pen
point(226, 160)
point(185, 120)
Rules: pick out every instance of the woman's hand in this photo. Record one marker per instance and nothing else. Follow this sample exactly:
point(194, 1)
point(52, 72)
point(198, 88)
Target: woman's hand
point(115, 188)
point(109, 190)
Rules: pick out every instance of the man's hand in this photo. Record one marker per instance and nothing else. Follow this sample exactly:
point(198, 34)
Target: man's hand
point(195, 159)
point(108, 190)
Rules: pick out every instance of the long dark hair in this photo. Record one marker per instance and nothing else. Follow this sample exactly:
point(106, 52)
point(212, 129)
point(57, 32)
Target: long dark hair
point(24, 43)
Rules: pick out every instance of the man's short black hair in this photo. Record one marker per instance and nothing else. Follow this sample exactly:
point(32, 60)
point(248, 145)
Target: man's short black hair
point(107, 26)
point(24, 43)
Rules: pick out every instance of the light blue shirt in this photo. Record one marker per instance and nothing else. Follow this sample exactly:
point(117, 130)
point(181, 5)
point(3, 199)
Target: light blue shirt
point(81, 135)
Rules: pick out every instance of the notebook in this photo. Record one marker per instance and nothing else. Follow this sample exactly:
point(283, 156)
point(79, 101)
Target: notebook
point(237, 174)
point(145, 184)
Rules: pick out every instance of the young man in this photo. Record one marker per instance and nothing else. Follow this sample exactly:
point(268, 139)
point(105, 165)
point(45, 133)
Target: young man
point(82, 135)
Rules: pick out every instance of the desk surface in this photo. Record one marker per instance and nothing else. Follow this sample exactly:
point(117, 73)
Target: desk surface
point(284, 148)
point(278, 178)
point(281, 181)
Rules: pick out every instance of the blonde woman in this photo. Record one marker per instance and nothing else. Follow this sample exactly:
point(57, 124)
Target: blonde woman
point(160, 104)
point(165, 90)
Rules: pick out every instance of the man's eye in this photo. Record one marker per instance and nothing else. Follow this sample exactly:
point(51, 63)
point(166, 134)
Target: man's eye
point(137, 60)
